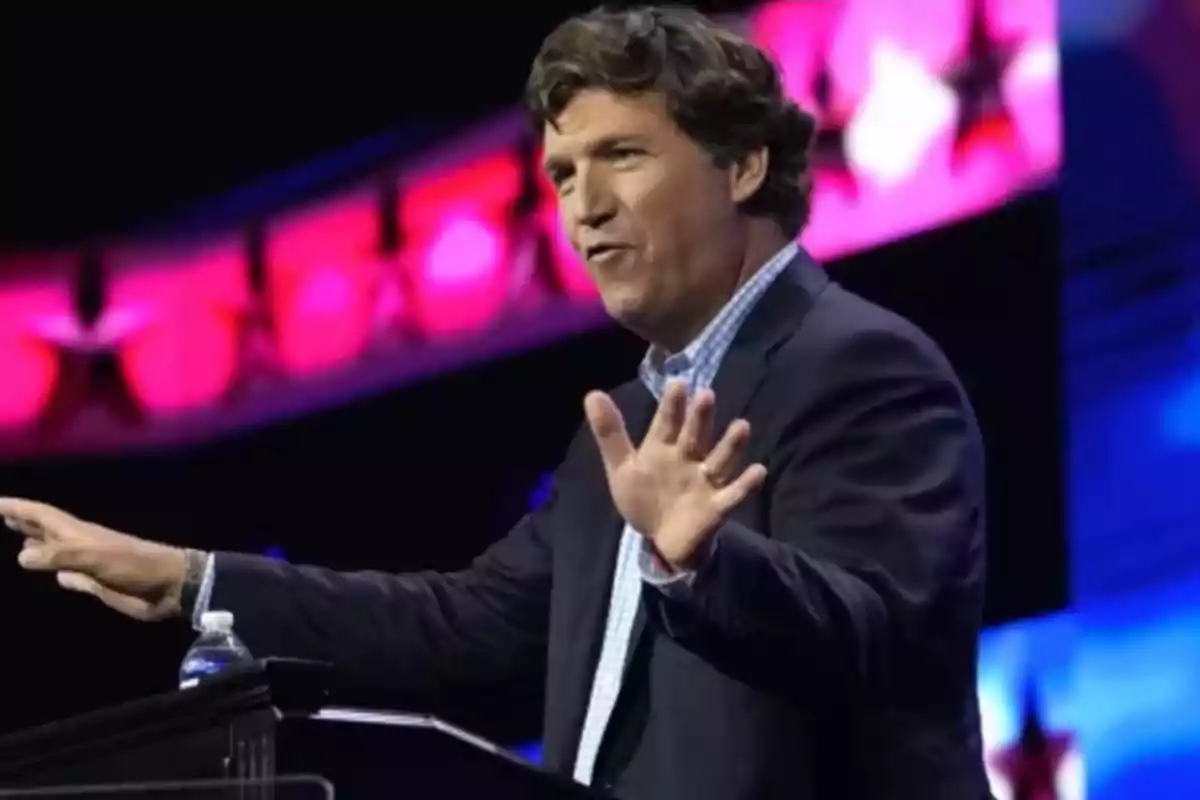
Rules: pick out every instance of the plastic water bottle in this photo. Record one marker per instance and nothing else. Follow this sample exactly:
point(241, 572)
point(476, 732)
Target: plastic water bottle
point(215, 650)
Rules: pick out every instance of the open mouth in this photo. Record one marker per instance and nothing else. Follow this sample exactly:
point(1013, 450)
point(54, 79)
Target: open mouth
point(601, 250)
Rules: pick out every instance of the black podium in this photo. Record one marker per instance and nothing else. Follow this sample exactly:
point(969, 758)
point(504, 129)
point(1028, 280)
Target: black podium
point(246, 730)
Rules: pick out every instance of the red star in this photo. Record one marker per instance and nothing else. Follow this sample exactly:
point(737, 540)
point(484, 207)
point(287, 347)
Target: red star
point(1032, 763)
point(978, 78)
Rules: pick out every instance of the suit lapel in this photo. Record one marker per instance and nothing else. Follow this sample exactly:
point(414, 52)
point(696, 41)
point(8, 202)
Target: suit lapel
point(777, 314)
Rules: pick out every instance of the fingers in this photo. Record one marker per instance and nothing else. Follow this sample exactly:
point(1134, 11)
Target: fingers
point(608, 428)
point(719, 466)
point(36, 522)
point(30, 518)
point(129, 606)
point(36, 556)
point(78, 582)
point(22, 516)
point(697, 426)
point(668, 420)
point(732, 494)
point(28, 529)
point(19, 508)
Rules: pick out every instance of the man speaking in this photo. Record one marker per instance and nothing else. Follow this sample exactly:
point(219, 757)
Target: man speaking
point(760, 571)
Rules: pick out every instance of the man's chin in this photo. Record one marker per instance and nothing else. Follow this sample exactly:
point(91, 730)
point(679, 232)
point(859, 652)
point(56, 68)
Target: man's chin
point(632, 314)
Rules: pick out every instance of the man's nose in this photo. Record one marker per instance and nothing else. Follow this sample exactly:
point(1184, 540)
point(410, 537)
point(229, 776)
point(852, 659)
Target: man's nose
point(594, 203)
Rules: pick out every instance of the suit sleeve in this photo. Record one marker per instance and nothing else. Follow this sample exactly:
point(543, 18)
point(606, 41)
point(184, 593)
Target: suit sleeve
point(410, 632)
point(874, 505)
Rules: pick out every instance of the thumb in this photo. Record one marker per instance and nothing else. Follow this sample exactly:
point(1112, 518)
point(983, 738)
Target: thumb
point(125, 604)
point(608, 428)
point(37, 556)
point(78, 582)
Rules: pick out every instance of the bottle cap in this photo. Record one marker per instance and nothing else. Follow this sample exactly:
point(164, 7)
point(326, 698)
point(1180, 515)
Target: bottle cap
point(220, 621)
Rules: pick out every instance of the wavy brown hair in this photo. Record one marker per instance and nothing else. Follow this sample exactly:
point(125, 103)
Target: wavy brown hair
point(720, 90)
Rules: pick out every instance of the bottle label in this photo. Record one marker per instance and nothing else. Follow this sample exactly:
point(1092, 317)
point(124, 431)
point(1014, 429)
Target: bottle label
point(197, 667)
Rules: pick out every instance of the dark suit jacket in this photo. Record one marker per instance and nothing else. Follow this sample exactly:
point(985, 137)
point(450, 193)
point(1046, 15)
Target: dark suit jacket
point(827, 649)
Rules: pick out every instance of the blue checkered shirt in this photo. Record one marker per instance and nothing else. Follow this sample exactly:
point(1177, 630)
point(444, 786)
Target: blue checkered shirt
point(696, 365)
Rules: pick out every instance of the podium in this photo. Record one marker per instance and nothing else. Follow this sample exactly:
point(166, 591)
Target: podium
point(266, 730)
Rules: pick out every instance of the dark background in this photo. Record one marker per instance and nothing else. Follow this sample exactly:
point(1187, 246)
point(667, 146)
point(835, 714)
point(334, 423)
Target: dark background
point(116, 124)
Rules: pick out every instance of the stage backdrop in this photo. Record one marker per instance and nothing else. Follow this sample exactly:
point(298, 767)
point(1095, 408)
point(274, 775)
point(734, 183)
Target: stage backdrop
point(235, 380)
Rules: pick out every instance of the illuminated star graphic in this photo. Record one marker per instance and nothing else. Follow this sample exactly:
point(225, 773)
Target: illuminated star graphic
point(978, 78)
point(1032, 763)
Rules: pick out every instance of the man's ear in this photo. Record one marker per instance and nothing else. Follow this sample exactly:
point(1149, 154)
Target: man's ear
point(748, 175)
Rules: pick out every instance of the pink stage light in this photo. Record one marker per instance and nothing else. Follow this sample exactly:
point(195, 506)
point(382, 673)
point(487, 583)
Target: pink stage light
point(457, 244)
point(934, 36)
point(177, 313)
point(833, 213)
point(903, 125)
point(35, 301)
point(1022, 20)
point(797, 35)
point(1033, 97)
point(1030, 86)
point(324, 273)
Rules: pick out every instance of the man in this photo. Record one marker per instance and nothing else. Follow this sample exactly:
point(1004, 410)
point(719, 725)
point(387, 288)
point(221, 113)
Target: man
point(760, 572)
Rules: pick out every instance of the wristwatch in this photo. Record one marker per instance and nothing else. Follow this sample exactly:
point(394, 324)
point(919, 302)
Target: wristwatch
point(193, 577)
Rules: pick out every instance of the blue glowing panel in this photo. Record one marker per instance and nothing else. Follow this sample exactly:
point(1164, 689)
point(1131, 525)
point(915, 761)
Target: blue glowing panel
point(1027, 690)
point(531, 752)
point(1181, 416)
point(541, 491)
point(1133, 393)
point(1114, 687)
point(1137, 693)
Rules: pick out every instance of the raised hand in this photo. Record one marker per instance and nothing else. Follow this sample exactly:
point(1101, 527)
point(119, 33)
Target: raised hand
point(138, 578)
point(676, 488)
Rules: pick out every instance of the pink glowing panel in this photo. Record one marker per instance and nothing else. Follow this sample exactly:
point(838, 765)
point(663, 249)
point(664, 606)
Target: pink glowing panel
point(797, 36)
point(951, 183)
point(1012, 21)
point(175, 313)
point(1031, 91)
point(486, 186)
point(833, 214)
point(989, 167)
point(1027, 29)
point(323, 276)
point(934, 36)
point(568, 267)
point(457, 244)
point(460, 275)
point(35, 301)
point(903, 127)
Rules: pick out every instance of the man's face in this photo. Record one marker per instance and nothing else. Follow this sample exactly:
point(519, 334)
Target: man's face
point(645, 206)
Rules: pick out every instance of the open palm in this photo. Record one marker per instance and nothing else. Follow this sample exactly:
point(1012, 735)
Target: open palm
point(674, 489)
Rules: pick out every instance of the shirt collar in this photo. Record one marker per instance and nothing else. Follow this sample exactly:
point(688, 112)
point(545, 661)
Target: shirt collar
point(710, 345)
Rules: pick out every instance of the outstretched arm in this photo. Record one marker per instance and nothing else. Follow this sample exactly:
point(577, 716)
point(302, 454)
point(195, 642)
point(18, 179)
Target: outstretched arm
point(412, 631)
